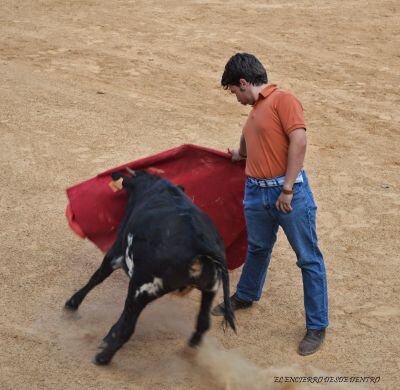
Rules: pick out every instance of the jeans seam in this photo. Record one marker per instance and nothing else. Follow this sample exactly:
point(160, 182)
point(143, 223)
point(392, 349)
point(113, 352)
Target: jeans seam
point(314, 241)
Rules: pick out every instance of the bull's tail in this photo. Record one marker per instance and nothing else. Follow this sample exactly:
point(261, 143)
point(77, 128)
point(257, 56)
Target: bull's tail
point(229, 315)
point(211, 264)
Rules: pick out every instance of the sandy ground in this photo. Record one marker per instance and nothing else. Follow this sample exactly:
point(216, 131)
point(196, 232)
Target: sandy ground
point(88, 85)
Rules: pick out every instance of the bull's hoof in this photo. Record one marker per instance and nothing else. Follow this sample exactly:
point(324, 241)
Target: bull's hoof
point(71, 305)
point(102, 359)
point(195, 340)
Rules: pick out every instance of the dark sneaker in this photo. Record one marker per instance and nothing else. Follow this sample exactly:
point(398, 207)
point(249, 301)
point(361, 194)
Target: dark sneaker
point(311, 342)
point(236, 304)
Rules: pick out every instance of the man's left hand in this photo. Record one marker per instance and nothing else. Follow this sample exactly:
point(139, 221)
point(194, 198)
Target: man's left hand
point(284, 203)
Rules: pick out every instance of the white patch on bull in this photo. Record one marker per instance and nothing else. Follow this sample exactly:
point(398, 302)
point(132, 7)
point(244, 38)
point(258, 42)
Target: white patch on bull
point(116, 262)
point(216, 285)
point(151, 288)
point(217, 282)
point(129, 259)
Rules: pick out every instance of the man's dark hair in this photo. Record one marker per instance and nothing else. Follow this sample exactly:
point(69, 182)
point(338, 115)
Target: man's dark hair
point(244, 66)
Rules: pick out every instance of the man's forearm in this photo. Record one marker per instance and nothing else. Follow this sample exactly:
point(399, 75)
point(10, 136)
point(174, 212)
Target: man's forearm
point(296, 155)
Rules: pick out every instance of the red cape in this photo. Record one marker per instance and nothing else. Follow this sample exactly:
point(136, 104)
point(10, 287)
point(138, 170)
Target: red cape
point(209, 177)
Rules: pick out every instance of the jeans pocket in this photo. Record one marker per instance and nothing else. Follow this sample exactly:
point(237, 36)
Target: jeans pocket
point(252, 195)
point(298, 191)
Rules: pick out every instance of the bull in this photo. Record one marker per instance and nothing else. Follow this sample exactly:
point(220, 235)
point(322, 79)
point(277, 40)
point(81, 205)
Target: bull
point(164, 244)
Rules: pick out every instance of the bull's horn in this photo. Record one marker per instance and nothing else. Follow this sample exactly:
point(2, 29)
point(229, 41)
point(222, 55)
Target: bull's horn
point(131, 171)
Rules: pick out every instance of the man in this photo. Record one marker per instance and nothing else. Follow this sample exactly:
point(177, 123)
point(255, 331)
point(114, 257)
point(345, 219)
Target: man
point(277, 193)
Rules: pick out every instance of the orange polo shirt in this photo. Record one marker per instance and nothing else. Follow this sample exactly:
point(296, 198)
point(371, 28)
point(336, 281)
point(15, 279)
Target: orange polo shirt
point(274, 115)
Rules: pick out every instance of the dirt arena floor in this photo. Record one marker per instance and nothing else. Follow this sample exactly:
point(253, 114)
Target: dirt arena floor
point(89, 85)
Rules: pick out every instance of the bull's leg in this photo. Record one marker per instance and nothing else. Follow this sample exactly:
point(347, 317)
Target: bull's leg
point(110, 263)
point(139, 295)
point(119, 334)
point(203, 319)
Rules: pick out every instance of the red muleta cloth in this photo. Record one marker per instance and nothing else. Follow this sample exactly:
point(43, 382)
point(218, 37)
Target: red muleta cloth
point(209, 177)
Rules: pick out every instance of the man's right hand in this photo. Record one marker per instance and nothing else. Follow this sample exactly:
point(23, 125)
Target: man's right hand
point(235, 155)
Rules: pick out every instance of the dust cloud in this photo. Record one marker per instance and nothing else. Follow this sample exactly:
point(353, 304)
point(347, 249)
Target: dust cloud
point(168, 321)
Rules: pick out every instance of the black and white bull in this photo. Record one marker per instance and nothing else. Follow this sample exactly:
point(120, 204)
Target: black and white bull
point(164, 243)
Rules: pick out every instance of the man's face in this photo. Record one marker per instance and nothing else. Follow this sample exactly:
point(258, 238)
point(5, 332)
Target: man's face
point(242, 92)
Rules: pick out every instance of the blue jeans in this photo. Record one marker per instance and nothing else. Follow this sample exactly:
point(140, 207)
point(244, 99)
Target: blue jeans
point(263, 220)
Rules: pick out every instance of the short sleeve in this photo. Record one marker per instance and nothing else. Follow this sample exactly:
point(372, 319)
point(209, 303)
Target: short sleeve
point(290, 112)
